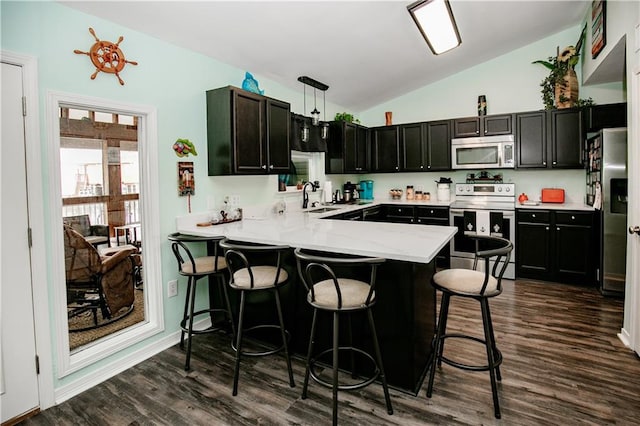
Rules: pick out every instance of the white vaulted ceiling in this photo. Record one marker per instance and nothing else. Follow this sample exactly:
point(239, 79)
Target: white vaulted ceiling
point(366, 51)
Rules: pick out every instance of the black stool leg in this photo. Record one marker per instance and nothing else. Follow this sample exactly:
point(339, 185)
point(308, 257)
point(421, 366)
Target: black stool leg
point(236, 373)
point(190, 327)
point(484, 303)
point(354, 374)
point(228, 313)
point(445, 306)
point(493, 339)
point(438, 342)
point(284, 338)
point(336, 349)
point(382, 376)
point(185, 315)
point(309, 353)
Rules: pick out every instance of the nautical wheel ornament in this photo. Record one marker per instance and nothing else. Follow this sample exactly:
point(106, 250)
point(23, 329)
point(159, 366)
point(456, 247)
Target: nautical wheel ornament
point(106, 57)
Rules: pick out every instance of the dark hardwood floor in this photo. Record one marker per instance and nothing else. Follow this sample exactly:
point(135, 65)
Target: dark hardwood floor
point(563, 365)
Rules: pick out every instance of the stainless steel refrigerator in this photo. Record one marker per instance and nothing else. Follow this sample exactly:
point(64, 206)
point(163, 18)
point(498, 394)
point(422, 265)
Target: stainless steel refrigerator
point(607, 192)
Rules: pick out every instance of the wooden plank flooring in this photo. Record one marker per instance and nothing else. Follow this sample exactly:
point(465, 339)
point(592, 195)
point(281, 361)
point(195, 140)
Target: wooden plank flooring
point(563, 365)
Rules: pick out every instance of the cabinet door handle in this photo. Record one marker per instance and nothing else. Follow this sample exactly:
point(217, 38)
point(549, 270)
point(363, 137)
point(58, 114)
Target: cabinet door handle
point(533, 215)
point(271, 167)
point(428, 167)
point(557, 228)
point(544, 163)
point(422, 167)
point(555, 162)
point(431, 211)
point(546, 228)
point(263, 167)
point(573, 218)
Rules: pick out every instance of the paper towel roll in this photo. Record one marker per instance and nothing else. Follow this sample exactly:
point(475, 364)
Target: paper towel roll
point(327, 192)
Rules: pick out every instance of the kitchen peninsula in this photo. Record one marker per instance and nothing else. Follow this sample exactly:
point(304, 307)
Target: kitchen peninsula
point(406, 308)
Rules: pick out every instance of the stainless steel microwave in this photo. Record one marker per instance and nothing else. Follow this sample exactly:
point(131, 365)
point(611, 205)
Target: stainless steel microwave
point(483, 152)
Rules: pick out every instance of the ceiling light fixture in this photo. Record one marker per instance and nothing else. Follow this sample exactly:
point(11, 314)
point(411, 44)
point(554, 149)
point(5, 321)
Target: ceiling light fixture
point(436, 24)
point(315, 114)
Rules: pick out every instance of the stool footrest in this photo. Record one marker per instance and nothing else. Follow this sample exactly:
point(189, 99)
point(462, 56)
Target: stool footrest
point(263, 353)
point(211, 329)
point(358, 385)
point(497, 356)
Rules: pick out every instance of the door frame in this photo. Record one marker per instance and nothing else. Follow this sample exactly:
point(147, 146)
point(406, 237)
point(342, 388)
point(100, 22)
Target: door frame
point(35, 196)
point(68, 363)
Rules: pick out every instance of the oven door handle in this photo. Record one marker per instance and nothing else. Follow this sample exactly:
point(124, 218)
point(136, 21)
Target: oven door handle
point(456, 211)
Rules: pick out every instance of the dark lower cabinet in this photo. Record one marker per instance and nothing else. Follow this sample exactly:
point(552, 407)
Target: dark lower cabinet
point(556, 245)
point(435, 215)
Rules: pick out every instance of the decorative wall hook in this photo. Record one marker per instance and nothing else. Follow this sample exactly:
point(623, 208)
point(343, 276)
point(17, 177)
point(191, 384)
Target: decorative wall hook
point(106, 56)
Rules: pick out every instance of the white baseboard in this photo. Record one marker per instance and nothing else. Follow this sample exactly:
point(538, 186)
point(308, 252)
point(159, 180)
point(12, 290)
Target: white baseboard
point(625, 338)
point(98, 376)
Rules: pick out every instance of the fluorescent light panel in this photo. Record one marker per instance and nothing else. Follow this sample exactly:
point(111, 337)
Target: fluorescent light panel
point(435, 21)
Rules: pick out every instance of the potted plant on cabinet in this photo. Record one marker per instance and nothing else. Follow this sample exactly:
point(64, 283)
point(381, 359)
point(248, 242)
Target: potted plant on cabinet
point(560, 87)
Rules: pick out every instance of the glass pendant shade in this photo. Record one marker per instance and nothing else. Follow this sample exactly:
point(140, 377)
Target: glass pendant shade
point(315, 117)
point(324, 130)
point(304, 134)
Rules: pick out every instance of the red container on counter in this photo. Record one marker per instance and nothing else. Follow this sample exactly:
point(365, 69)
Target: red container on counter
point(552, 195)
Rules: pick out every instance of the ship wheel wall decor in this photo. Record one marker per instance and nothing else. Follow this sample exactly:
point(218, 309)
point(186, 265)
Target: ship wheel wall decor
point(106, 56)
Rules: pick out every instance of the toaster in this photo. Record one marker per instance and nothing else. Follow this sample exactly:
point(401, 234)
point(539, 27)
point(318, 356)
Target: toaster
point(552, 195)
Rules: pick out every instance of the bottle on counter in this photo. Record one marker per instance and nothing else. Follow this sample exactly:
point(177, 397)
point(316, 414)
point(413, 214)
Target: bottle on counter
point(410, 194)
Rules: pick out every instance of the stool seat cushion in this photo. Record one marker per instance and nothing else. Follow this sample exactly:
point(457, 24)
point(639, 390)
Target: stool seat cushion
point(354, 294)
point(204, 265)
point(466, 281)
point(263, 277)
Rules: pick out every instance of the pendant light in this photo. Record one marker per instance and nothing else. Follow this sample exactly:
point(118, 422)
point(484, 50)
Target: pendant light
point(315, 114)
point(304, 136)
point(324, 126)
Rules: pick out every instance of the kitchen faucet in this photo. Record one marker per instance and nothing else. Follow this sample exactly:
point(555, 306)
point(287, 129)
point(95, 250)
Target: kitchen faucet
point(305, 195)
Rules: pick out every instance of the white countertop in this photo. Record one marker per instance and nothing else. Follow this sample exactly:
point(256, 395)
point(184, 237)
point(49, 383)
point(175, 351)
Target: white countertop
point(405, 242)
point(557, 206)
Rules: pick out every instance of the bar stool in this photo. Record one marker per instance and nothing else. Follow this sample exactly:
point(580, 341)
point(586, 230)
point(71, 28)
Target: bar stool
point(195, 268)
point(480, 286)
point(340, 296)
point(246, 278)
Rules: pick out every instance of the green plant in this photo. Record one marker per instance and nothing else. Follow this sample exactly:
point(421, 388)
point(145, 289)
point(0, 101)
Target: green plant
point(345, 116)
point(558, 67)
point(581, 103)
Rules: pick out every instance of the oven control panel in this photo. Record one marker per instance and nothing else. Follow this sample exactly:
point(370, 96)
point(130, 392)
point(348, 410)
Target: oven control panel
point(494, 189)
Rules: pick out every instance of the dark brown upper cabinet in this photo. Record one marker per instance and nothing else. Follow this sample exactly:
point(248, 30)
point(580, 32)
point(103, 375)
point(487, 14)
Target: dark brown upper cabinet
point(598, 117)
point(347, 149)
point(566, 138)
point(531, 139)
point(386, 149)
point(425, 146)
point(247, 133)
point(486, 125)
point(549, 139)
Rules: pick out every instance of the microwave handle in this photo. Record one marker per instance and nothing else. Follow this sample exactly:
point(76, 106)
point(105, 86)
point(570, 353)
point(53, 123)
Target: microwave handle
point(507, 159)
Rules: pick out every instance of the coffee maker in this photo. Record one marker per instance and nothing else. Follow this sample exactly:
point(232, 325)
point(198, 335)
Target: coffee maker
point(349, 192)
point(366, 189)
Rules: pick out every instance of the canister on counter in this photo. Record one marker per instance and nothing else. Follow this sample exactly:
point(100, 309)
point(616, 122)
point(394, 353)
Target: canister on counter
point(410, 194)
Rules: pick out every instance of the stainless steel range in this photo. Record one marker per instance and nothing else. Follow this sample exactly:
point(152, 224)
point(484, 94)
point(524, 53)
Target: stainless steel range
point(485, 209)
